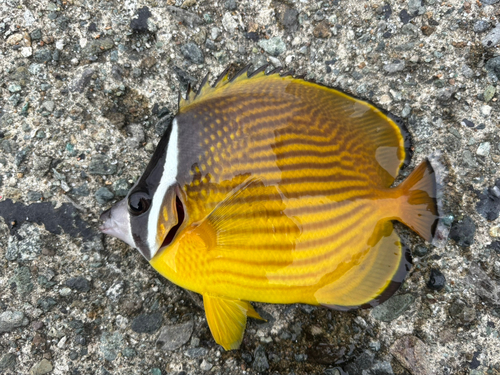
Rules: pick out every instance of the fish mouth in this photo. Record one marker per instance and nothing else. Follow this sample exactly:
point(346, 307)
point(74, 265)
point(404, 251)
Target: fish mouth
point(179, 208)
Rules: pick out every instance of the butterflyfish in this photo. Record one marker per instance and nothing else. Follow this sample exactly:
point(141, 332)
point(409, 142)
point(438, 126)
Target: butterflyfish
point(274, 189)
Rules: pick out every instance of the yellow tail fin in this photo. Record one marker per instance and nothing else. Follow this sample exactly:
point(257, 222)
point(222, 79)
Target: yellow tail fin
point(420, 210)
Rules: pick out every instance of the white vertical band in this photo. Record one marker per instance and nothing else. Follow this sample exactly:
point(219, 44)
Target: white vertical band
point(168, 179)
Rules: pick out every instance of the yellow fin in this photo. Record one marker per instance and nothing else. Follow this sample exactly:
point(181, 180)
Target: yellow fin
point(370, 279)
point(253, 212)
point(227, 319)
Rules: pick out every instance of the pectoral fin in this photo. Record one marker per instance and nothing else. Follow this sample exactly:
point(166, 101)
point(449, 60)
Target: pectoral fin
point(227, 319)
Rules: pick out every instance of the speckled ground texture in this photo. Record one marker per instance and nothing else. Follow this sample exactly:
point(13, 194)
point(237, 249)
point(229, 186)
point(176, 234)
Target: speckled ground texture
point(86, 90)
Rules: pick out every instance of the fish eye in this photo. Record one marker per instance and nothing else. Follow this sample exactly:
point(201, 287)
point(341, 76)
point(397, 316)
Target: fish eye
point(138, 203)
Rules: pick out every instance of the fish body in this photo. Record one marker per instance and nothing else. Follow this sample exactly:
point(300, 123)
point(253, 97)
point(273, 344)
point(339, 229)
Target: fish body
point(272, 189)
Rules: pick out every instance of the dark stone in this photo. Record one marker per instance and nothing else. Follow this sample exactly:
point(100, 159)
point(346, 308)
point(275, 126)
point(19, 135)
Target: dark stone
point(252, 36)
point(436, 280)
point(79, 284)
point(463, 232)
point(46, 303)
point(65, 219)
point(387, 35)
point(468, 123)
point(184, 78)
point(80, 84)
point(489, 202)
point(103, 195)
point(493, 66)
point(163, 112)
point(43, 55)
point(495, 245)
point(101, 166)
point(21, 156)
point(145, 323)
point(34, 196)
point(382, 368)
point(260, 363)
point(393, 307)
point(22, 280)
point(82, 190)
point(174, 336)
point(420, 251)
point(193, 53)
point(405, 17)
point(474, 364)
point(36, 34)
point(489, 2)
point(140, 24)
point(92, 27)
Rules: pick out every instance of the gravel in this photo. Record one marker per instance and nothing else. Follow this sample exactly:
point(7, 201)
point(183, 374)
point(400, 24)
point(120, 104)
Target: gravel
point(88, 88)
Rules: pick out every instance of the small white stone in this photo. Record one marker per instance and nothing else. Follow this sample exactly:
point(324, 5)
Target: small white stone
point(83, 42)
point(206, 366)
point(385, 99)
point(60, 45)
point(276, 62)
point(62, 342)
point(229, 23)
point(26, 51)
point(486, 110)
point(495, 231)
point(28, 17)
point(289, 59)
point(65, 291)
point(214, 33)
point(484, 149)
point(75, 61)
point(414, 59)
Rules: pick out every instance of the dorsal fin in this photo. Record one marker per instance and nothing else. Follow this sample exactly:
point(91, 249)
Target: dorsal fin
point(223, 79)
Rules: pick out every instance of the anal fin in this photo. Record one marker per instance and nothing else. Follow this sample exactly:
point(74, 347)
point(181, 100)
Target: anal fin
point(227, 319)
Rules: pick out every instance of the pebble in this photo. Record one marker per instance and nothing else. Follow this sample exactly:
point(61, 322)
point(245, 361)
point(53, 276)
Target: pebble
point(489, 2)
point(103, 195)
point(492, 38)
point(461, 311)
point(480, 26)
point(394, 67)
point(49, 105)
point(79, 284)
point(101, 166)
point(14, 87)
point(82, 190)
point(111, 345)
point(41, 368)
point(484, 149)
point(230, 25)
point(10, 320)
point(173, 337)
point(147, 323)
point(260, 363)
point(136, 135)
point(412, 354)
point(486, 110)
point(484, 286)
point(140, 24)
point(196, 352)
point(392, 308)
point(488, 93)
point(22, 281)
point(489, 202)
point(8, 361)
point(274, 46)
point(121, 187)
point(436, 280)
point(193, 53)
point(495, 231)
point(463, 232)
point(43, 55)
point(206, 366)
point(420, 251)
point(26, 51)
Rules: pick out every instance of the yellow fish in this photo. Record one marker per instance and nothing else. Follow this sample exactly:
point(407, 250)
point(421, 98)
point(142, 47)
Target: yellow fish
point(273, 189)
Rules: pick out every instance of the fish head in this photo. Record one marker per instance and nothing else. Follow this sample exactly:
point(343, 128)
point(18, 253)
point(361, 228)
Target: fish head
point(149, 217)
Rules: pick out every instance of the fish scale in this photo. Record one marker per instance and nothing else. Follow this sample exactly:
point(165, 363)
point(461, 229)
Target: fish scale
point(275, 189)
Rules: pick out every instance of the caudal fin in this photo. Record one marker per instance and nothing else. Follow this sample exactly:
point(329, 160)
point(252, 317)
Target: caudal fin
point(420, 210)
